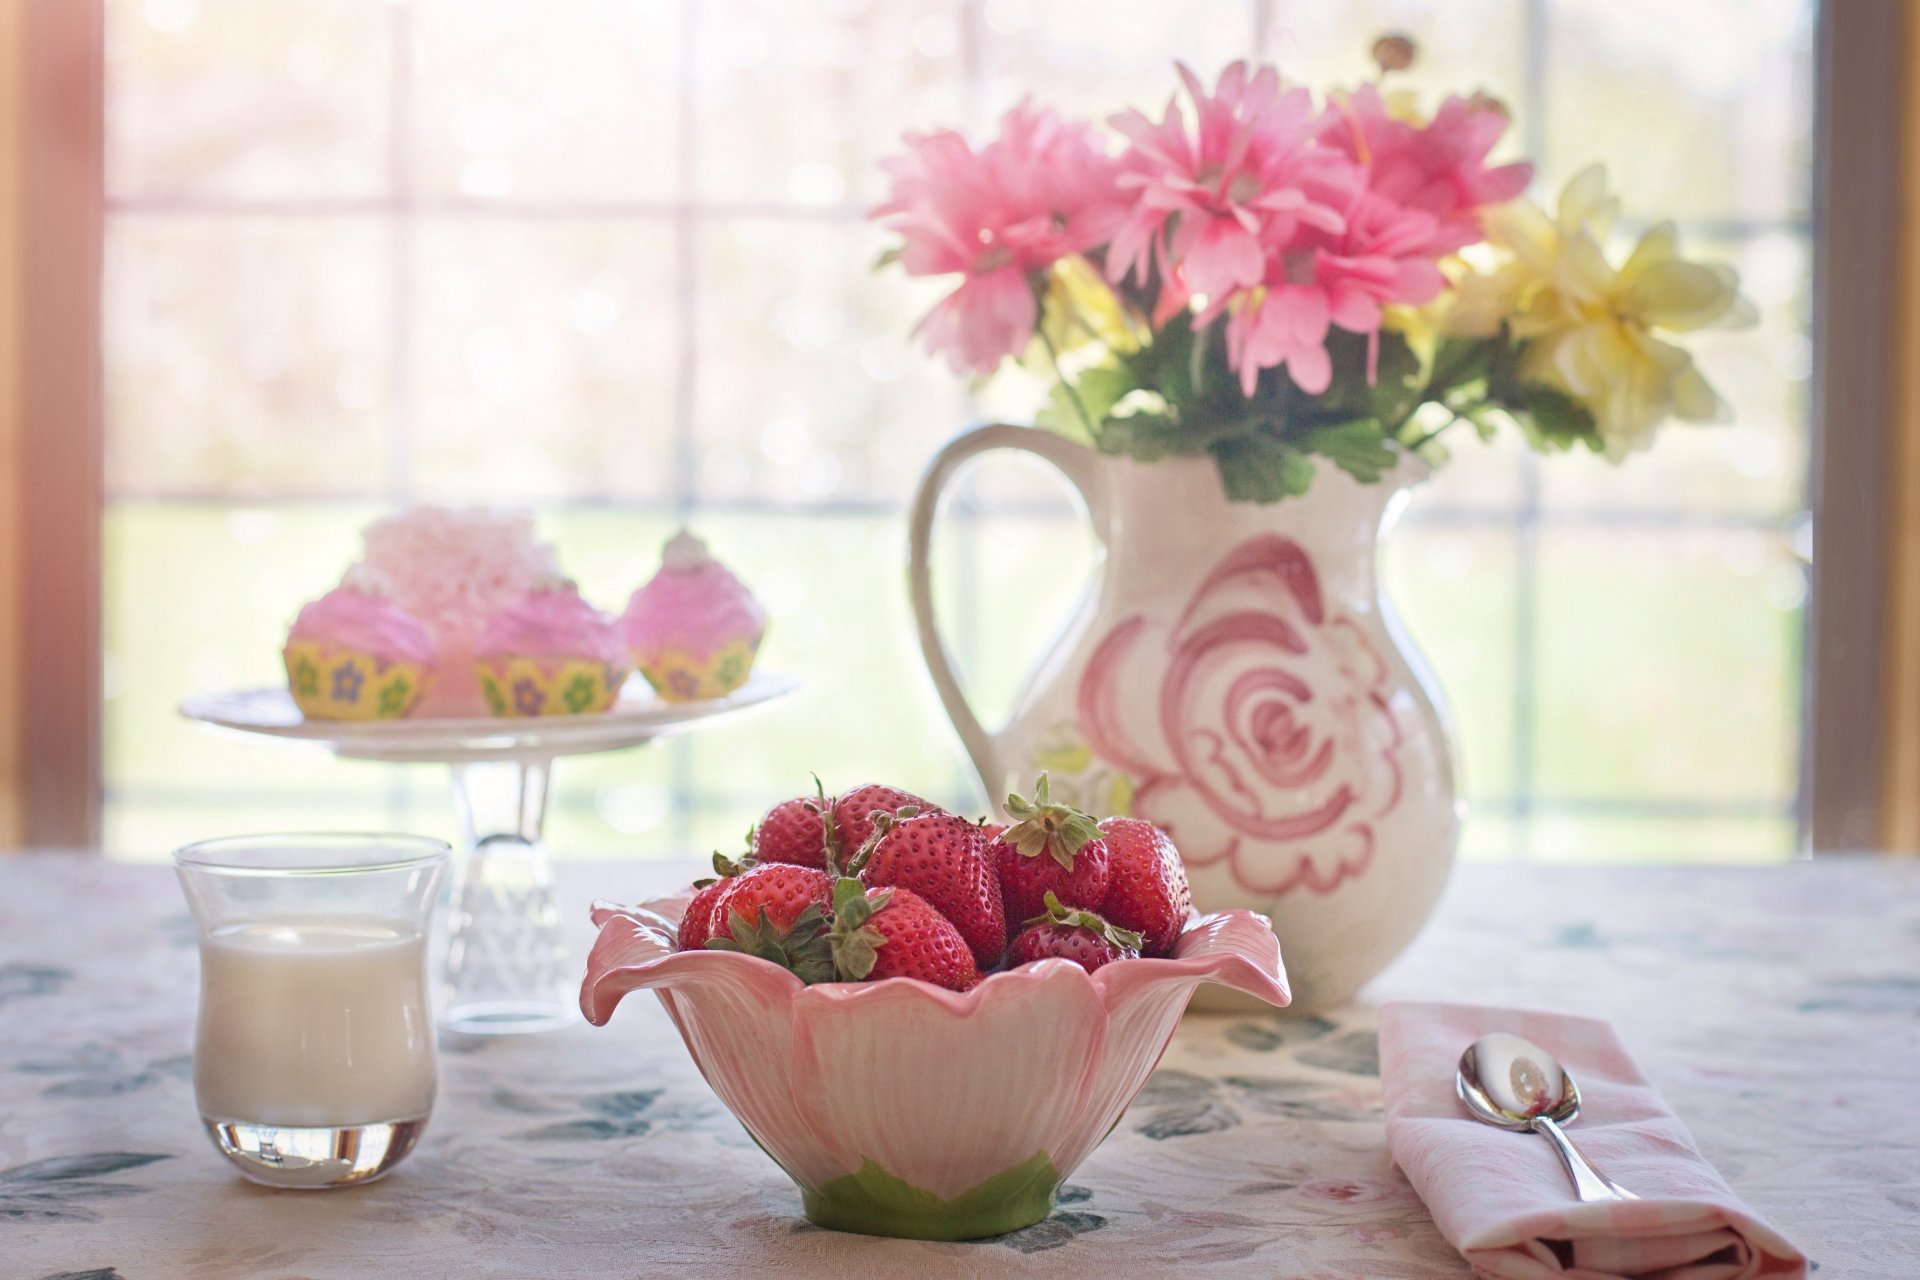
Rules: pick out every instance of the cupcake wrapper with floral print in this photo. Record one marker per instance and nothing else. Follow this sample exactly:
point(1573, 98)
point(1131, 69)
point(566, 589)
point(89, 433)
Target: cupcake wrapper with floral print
point(679, 676)
point(548, 686)
point(331, 683)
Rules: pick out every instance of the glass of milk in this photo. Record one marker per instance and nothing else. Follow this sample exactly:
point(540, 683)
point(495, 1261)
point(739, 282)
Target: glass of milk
point(313, 1059)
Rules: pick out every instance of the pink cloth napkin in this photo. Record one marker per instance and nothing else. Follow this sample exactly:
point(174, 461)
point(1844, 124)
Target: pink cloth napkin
point(1503, 1199)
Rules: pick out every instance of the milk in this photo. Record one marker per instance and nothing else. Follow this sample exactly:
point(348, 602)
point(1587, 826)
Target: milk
point(314, 1022)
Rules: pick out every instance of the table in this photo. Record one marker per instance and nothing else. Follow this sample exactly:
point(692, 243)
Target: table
point(1778, 1008)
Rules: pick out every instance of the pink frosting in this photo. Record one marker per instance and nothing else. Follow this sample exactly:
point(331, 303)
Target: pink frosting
point(454, 569)
point(552, 621)
point(352, 618)
point(693, 603)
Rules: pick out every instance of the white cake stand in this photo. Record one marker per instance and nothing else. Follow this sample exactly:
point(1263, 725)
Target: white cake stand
point(506, 962)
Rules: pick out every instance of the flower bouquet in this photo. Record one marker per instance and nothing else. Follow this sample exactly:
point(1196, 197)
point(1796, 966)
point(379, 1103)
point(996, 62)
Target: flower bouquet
point(1267, 297)
point(1282, 277)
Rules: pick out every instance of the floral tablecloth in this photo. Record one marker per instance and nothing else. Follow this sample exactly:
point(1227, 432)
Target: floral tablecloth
point(1778, 1008)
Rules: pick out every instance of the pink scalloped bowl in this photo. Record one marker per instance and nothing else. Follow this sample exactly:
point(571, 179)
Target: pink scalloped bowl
point(903, 1109)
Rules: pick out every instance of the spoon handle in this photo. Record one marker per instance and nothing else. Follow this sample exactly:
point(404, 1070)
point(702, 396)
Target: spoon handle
point(1587, 1182)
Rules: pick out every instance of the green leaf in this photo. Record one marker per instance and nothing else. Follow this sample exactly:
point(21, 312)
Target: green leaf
point(1091, 395)
point(1043, 827)
point(1059, 913)
point(1146, 436)
point(1358, 448)
point(850, 901)
point(803, 950)
point(1260, 468)
point(888, 257)
point(1102, 387)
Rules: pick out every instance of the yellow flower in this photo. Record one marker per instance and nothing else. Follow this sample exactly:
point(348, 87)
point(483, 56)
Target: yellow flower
point(1595, 331)
point(1079, 307)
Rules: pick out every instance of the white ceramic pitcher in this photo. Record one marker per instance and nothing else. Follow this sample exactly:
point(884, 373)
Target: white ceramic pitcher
point(1235, 676)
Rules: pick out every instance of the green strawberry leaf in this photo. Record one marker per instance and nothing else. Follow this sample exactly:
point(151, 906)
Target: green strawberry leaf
point(1080, 918)
point(802, 950)
point(1058, 830)
point(853, 944)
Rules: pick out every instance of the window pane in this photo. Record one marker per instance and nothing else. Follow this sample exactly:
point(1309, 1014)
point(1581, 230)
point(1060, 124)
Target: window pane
point(1573, 837)
point(797, 103)
point(1051, 52)
point(546, 358)
point(247, 355)
point(1661, 656)
point(1700, 110)
point(807, 392)
point(1455, 591)
point(234, 98)
point(542, 102)
point(1463, 45)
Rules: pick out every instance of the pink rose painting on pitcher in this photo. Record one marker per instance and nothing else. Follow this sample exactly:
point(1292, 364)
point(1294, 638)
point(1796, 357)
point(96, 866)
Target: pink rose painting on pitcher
point(1267, 740)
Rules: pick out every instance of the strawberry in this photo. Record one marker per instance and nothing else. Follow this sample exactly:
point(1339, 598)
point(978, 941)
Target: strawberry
point(696, 922)
point(1050, 849)
point(768, 897)
point(1083, 937)
point(894, 933)
point(795, 830)
point(1147, 884)
point(942, 858)
point(853, 811)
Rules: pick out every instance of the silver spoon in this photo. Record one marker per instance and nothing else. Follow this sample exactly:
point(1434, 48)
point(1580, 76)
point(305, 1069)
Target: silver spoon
point(1514, 1084)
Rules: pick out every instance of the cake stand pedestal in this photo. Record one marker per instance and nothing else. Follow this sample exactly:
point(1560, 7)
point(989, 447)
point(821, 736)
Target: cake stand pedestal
point(506, 966)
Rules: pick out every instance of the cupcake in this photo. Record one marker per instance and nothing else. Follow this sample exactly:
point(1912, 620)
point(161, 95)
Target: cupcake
point(356, 654)
point(550, 653)
point(454, 569)
point(693, 630)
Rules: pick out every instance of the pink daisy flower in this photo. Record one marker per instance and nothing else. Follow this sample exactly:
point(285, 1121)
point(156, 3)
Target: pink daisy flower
point(997, 216)
point(1439, 168)
point(1208, 200)
point(1341, 280)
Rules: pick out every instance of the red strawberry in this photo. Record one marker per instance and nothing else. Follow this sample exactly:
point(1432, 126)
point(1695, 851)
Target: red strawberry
point(1050, 848)
point(696, 923)
point(942, 858)
point(795, 830)
point(1083, 937)
point(853, 812)
point(778, 913)
point(1147, 884)
point(894, 933)
point(779, 890)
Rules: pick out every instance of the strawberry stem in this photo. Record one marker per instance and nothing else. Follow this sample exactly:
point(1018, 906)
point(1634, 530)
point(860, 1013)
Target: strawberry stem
point(1041, 826)
point(1080, 918)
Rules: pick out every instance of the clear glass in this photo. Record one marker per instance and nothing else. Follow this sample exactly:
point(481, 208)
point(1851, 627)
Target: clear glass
point(506, 960)
point(313, 1059)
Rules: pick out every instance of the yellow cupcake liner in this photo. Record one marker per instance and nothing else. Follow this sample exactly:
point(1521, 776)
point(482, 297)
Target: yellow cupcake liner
point(679, 676)
point(517, 687)
point(330, 683)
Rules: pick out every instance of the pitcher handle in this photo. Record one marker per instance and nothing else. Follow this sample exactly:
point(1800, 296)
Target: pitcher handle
point(1080, 466)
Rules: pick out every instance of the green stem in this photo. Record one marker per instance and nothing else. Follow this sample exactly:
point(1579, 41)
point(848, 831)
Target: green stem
point(1073, 394)
point(1442, 377)
point(1457, 416)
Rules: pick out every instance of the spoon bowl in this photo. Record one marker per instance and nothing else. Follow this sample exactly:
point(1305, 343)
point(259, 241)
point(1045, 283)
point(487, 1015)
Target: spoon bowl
point(1511, 1083)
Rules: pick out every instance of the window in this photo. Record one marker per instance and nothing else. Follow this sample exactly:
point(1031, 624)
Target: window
point(609, 260)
